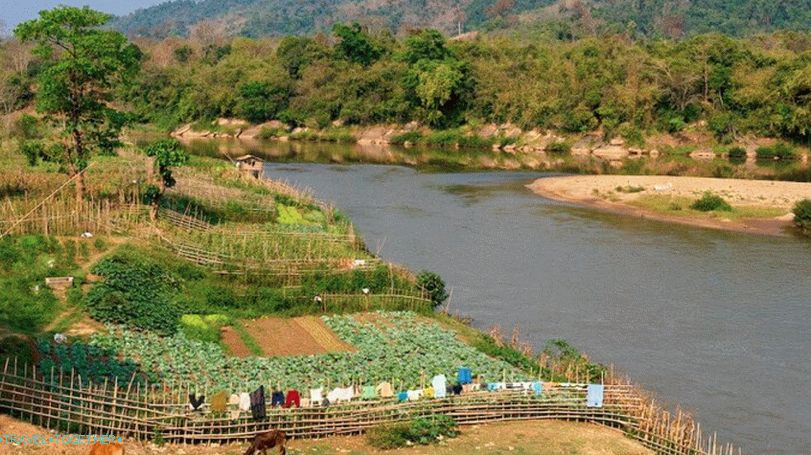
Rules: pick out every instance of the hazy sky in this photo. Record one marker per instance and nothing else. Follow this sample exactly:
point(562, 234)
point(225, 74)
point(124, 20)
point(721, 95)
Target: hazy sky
point(13, 12)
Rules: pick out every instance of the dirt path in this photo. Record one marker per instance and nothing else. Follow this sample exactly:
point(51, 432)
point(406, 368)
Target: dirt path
point(639, 195)
point(517, 438)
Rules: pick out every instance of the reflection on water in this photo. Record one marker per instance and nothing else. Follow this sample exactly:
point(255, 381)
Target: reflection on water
point(715, 321)
point(446, 160)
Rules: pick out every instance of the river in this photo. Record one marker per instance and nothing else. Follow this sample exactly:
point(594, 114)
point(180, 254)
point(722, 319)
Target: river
point(716, 322)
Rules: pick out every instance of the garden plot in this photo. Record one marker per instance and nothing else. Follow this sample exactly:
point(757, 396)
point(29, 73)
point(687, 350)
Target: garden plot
point(290, 337)
point(405, 351)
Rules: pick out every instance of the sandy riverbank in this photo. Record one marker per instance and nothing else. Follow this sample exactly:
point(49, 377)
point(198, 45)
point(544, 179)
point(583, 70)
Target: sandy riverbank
point(760, 206)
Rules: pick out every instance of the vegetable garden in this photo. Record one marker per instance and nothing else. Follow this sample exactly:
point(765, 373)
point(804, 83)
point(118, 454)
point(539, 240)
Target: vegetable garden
point(404, 351)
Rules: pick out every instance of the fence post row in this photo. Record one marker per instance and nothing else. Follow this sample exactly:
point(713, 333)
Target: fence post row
point(65, 403)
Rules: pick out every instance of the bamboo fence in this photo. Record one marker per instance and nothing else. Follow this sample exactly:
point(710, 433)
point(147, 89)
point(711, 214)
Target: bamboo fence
point(67, 402)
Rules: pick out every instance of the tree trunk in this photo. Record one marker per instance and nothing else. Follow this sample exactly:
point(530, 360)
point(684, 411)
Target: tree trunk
point(153, 210)
point(80, 187)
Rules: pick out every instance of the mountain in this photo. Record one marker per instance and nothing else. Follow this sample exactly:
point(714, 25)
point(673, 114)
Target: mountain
point(674, 18)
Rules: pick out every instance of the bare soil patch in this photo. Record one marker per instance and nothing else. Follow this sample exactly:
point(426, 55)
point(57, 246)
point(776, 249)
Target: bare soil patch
point(306, 335)
point(548, 437)
point(233, 341)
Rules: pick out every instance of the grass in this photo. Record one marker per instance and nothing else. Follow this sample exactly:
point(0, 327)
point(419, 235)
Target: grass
point(246, 337)
point(680, 206)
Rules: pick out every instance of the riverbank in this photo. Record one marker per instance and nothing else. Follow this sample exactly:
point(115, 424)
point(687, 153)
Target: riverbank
point(758, 206)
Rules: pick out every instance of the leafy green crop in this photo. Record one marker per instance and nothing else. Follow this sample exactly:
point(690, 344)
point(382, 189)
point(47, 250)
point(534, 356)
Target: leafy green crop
point(400, 349)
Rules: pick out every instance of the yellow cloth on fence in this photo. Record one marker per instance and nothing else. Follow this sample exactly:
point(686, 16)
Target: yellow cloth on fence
point(428, 392)
point(384, 390)
point(219, 402)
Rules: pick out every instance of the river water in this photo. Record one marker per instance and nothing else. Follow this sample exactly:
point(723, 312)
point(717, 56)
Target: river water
point(716, 322)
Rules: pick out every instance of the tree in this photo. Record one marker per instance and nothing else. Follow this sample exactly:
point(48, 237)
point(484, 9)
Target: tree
point(433, 285)
point(165, 155)
point(355, 45)
point(84, 63)
point(262, 101)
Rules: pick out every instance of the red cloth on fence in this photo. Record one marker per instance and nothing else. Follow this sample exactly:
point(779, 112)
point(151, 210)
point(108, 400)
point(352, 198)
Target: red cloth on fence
point(293, 398)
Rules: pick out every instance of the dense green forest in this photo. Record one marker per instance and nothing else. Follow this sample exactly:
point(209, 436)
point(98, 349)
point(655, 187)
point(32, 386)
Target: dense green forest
point(670, 18)
point(616, 82)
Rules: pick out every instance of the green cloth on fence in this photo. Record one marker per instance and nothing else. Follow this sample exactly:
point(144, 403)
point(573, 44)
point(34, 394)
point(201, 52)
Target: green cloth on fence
point(368, 393)
point(219, 402)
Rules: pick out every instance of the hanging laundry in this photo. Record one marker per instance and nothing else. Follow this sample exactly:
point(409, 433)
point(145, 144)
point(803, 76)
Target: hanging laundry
point(549, 386)
point(325, 402)
point(439, 383)
point(594, 395)
point(277, 398)
point(233, 400)
point(537, 387)
point(257, 398)
point(457, 389)
point(467, 388)
point(465, 376)
point(475, 387)
point(305, 402)
point(347, 394)
point(317, 395)
point(293, 398)
point(402, 396)
point(494, 386)
point(234, 414)
point(384, 390)
point(368, 393)
point(195, 402)
point(428, 392)
point(334, 395)
point(414, 395)
point(219, 402)
point(244, 402)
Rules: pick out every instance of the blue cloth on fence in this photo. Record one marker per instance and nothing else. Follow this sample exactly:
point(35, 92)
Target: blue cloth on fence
point(402, 396)
point(493, 386)
point(537, 387)
point(277, 398)
point(465, 376)
point(594, 396)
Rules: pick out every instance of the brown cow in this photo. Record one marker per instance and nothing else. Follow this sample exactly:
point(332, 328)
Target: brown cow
point(107, 449)
point(269, 440)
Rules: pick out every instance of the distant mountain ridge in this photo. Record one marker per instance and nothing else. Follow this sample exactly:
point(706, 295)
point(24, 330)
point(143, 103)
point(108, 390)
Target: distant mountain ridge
point(674, 18)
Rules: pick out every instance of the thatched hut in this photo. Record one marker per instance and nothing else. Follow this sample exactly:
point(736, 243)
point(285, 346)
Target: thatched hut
point(251, 165)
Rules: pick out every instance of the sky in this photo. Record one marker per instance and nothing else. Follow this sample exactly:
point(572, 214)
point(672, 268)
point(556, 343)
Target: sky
point(13, 12)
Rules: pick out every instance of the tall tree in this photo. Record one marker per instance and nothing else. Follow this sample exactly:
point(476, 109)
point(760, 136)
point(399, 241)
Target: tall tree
point(165, 155)
point(84, 64)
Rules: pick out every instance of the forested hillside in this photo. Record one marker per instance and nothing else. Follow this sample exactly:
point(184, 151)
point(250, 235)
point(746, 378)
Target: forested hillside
point(671, 18)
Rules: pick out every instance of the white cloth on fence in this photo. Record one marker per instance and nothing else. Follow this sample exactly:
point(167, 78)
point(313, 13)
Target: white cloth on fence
point(317, 395)
point(233, 400)
point(414, 395)
point(341, 394)
point(244, 402)
point(440, 385)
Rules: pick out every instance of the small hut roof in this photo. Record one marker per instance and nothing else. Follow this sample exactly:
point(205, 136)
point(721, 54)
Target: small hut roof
point(248, 157)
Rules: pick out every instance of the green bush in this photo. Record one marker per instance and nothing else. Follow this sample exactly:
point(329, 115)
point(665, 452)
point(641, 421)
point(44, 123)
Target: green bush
point(136, 291)
point(433, 284)
point(559, 148)
point(410, 136)
point(710, 203)
point(779, 151)
point(422, 430)
point(737, 154)
point(802, 215)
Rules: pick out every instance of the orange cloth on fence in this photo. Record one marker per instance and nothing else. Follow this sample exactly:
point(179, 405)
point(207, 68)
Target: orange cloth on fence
point(384, 390)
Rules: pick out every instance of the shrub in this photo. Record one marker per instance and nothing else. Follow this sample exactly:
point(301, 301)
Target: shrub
point(422, 430)
point(559, 148)
point(779, 151)
point(410, 136)
point(433, 284)
point(802, 215)
point(737, 154)
point(710, 203)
